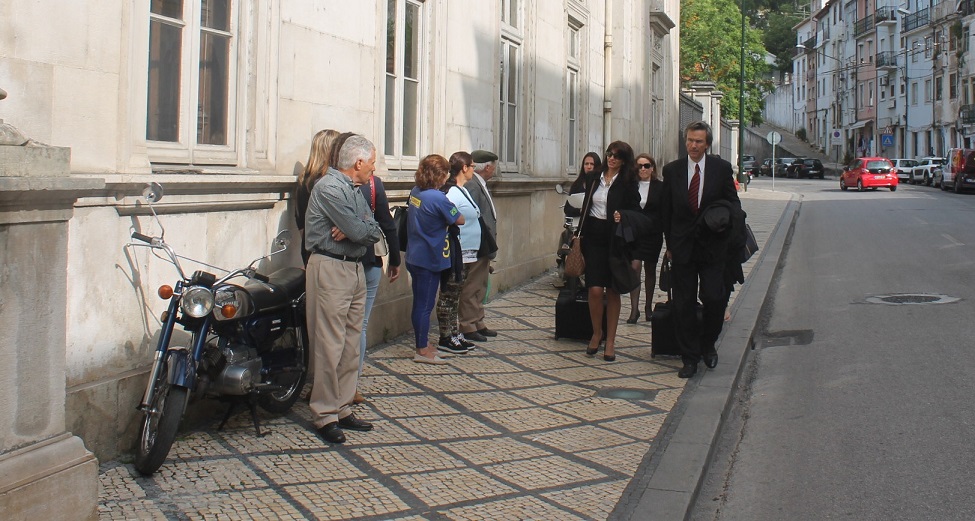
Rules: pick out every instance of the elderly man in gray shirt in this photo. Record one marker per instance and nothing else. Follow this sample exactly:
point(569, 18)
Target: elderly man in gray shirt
point(339, 228)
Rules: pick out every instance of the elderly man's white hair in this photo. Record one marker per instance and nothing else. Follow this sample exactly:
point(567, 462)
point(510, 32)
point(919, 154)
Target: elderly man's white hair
point(354, 149)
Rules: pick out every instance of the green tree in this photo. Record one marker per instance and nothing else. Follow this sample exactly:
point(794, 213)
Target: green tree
point(780, 39)
point(710, 50)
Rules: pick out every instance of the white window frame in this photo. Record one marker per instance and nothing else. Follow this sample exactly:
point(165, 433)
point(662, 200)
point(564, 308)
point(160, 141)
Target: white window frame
point(512, 38)
point(397, 158)
point(573, 72)
point(186, 150)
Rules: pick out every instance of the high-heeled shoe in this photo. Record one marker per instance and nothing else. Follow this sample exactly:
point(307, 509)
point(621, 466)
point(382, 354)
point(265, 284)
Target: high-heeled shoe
point(591, 351)
point(634, 316)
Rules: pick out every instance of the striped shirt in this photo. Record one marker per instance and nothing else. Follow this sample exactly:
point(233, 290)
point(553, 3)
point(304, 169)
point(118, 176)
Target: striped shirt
point(336, 202)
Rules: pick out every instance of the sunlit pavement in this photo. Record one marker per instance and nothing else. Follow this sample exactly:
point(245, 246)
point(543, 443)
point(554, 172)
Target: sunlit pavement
point(524, 427)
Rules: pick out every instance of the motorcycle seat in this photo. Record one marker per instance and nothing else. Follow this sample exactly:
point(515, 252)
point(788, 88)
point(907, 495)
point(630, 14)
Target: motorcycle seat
point(284, 286)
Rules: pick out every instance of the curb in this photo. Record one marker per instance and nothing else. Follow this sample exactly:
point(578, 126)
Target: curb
point(669, 479)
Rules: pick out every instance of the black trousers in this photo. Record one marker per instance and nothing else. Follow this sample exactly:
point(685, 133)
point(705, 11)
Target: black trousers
point(690, 281)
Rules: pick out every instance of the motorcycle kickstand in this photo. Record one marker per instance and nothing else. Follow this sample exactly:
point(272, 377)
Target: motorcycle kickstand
point(252, 405)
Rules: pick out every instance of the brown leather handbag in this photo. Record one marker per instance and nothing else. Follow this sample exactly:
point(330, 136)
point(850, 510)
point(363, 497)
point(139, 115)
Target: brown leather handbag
point(575, 263)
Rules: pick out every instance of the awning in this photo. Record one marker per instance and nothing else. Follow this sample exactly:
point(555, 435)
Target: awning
point(859, 124)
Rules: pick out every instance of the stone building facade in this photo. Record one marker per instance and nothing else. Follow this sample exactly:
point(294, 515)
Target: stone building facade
point(217, 100)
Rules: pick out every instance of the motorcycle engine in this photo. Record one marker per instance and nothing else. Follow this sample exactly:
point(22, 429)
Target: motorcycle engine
point(234, 368)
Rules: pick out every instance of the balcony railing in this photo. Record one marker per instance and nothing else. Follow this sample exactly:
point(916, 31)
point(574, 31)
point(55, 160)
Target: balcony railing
point(863, 26)
point(967, 114)
point(884, 14)
point(915, 20)
point(886, 59)
point(810, 43)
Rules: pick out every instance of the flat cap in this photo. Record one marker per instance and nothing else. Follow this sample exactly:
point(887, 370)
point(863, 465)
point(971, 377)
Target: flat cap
point(483, 156)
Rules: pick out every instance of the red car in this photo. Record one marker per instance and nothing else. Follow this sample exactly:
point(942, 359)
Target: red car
point(869, 172)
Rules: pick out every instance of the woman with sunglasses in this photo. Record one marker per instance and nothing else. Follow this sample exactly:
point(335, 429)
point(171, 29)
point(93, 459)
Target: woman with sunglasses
point(612, 188)
point(650, 181)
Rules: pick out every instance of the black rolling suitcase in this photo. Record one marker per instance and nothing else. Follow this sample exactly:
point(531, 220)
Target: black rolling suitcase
point(572, 314)
point(663, 337)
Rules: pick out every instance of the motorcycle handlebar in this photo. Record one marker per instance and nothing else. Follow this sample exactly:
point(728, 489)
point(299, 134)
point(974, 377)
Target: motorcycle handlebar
point(140, 237)
point(262, 278)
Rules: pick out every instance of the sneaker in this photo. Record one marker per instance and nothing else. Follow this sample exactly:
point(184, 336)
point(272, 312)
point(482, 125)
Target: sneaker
point(451, 345)
point(465, 343)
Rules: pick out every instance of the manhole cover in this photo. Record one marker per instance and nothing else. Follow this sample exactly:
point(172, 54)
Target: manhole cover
point(912, 298)
point(625, 394)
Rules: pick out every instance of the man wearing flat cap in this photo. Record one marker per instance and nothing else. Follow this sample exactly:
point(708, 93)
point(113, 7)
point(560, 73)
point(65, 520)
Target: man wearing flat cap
point(471, 310)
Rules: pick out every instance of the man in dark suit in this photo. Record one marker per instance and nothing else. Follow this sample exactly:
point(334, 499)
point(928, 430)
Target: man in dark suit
point(691, 184)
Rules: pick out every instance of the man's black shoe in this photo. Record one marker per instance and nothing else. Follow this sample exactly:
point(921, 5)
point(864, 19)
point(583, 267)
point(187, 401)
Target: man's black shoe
point(331, 433)
point(487, 332)
point(352, 423)
point(711, 360)
point(462, 339)
point(475, 336)
point(688, 370)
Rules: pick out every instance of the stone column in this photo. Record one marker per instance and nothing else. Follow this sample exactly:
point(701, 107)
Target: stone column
point(45, 472)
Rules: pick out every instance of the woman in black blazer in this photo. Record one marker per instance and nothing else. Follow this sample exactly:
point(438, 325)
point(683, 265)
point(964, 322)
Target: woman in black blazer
point(609, 189)
point(649, 185)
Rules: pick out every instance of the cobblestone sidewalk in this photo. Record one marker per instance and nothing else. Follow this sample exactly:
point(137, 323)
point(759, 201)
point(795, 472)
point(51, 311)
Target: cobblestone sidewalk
point(522, 428)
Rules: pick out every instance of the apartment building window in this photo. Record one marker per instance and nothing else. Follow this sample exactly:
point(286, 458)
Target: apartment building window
point(191, 79)
point(573, 66)
point(404, 42)
point(914, 93)
point(509, 98)
point(927, 91)
point(953, 86)
point(938, 86)
point(860, 96)
point(870, 94)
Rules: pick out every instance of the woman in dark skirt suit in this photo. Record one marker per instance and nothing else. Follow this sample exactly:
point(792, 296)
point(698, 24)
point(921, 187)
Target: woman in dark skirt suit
point(649, 182)
point(611, 188)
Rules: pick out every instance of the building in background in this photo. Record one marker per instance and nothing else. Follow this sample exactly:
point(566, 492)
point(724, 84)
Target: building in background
point(218, 99)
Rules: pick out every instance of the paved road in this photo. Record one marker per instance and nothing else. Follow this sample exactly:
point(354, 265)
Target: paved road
point(852, 409)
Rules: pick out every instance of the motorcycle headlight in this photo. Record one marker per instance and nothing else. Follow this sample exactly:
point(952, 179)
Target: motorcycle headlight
point(197, 301)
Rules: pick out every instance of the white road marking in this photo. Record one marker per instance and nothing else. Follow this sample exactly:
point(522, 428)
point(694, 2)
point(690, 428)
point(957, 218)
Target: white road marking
point(954, 242)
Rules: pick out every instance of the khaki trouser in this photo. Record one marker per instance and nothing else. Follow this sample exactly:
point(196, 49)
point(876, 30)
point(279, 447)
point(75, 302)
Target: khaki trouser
point(471, 307)
point(334, 308)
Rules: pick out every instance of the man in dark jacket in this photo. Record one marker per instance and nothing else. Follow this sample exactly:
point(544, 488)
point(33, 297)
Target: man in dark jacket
point(471, 305)
point(698, 260)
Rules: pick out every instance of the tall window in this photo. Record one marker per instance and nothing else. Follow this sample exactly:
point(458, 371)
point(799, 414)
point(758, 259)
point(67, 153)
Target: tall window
point(191, 76)
point(953, 86)
point(938, 87)
point(403, 77)
point(914, 93)
point(927, 91)
point(511, 40)
point(870, 94)
point(574, 45)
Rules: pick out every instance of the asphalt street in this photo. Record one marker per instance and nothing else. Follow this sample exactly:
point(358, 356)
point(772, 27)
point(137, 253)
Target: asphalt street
point(856, 401)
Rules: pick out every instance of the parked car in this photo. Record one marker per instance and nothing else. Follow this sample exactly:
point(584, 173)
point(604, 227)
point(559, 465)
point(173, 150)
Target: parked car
point(926, 170)
point(810, 168)
point(766, 167)
point(747, 163)
point(783, 165)
point(869, 172)
point(959, 173)
point(904, 168)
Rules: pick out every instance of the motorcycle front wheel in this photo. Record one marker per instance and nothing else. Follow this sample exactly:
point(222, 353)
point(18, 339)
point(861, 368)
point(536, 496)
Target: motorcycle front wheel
point(160, 425)
point(291, 380)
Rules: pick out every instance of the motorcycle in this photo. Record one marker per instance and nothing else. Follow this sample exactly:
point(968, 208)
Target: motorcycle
point(570, 226)
point(248, 342)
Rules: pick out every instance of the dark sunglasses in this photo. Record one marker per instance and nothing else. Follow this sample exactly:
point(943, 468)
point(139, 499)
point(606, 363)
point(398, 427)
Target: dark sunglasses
point(646, 166)
point(613, 155)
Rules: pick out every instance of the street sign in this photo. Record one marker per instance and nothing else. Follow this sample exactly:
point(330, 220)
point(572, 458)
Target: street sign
point(773, 138)
point(835, 138)
point(887, 140)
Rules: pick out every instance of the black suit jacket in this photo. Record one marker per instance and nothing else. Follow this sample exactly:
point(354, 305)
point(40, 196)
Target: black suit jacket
point(675, 210)
point(623, 195)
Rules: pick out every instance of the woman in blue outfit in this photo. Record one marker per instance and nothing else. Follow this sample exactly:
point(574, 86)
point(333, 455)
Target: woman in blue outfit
point(611, 188)
point(428, 248)
point(375, 193)
point(448, 305)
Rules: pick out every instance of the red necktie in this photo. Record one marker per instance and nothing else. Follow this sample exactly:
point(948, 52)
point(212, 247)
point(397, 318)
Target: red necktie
point(693, 188)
